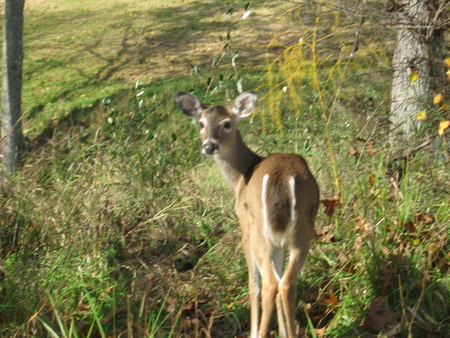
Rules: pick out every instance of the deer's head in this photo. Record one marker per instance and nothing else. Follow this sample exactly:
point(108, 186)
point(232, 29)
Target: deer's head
point(217, 123)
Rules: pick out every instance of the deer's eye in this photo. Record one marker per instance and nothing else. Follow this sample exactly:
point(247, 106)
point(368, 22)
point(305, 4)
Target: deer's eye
point(201, 124)
point(227, 125)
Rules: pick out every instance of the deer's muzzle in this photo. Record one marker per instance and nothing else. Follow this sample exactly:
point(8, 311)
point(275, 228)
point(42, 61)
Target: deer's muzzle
point(210, 148)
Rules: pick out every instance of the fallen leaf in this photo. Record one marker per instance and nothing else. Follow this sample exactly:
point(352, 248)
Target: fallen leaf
point(365, 227)
point(352, 151)
point(424, 218)
point(306, 332)
point(422, 115)
point(438, 99)
point(368, 143)
point(320, 332)
point(322, 231)
point(188, 307)
point(416, 242)
point(323, 234)
point(409, 226)
point(321, 309)
point(330, 205)
point(378, 316)
point(372, 151)
point(445, 107)
point(83, 307)
point(447, 62)
point(332, 300)
point(360, 139)
point(443, 125)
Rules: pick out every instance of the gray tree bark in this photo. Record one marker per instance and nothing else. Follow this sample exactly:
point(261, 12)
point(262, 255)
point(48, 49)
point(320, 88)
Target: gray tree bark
point(416, 62)
point(12, 137)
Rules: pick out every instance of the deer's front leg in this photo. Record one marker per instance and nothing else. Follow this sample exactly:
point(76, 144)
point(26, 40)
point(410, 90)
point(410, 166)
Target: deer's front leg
point(255, 297)
point(254, 287)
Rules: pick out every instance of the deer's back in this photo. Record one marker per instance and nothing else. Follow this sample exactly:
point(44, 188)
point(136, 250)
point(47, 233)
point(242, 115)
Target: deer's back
point(278, 193)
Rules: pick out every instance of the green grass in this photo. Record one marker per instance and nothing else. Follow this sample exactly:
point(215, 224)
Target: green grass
point(116, 226)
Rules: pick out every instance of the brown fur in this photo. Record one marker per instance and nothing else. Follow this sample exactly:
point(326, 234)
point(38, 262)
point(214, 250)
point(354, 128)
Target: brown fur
point(280, 203)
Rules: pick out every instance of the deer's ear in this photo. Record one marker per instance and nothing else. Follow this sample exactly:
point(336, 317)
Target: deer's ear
point(190, 105)
point(245, 104)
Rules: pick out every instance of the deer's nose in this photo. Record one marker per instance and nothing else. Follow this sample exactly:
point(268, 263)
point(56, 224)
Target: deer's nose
point(210, 148)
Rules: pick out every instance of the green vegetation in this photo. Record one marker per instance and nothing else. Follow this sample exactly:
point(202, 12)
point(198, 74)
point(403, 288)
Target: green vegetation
point(116, 227)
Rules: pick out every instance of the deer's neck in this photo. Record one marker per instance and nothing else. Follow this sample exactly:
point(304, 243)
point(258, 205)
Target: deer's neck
point(237, 161)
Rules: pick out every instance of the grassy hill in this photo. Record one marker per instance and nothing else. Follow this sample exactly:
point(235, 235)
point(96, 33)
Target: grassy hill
point(116, 226)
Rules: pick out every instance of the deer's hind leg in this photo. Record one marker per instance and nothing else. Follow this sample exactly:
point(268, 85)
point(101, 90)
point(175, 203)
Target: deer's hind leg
point(288, 284)
point(269, 285)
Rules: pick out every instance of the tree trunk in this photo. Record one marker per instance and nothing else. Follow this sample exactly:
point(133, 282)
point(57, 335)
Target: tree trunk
point(416, 61)
point(12, 84)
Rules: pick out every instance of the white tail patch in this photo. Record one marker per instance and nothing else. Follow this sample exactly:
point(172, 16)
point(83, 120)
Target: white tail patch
point(264, 204)
point(277, 239)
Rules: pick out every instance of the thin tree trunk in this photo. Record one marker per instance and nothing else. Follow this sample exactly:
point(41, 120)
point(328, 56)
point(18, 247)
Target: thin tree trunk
point(417, 49)
point(12, 84)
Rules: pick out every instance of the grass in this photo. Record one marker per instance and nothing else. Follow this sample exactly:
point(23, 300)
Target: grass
point(115, 226)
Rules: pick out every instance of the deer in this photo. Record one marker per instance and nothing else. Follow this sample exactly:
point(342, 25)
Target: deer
point(276, 203)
